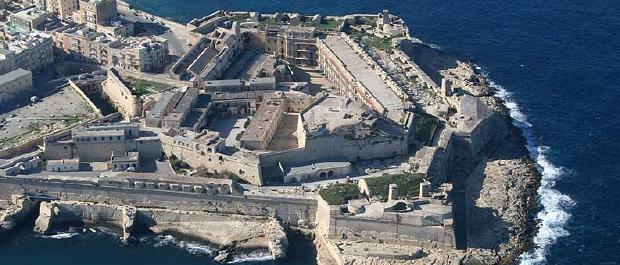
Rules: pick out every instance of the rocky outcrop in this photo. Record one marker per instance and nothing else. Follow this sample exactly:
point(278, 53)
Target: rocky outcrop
point(15, 213)
point(229, 233)
point(43, 224)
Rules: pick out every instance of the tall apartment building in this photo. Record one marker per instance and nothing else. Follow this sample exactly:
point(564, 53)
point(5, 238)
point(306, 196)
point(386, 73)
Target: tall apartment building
point(133, 53)
point(96, 12)
point(63, 9)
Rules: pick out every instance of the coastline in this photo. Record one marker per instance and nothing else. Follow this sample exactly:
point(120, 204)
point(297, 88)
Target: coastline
point(523, 191)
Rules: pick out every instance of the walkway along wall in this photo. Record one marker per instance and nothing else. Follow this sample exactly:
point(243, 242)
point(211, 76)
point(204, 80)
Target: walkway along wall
point(292, 211)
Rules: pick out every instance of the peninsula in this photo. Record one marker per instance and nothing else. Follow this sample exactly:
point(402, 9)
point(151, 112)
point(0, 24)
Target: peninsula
point(239, 127)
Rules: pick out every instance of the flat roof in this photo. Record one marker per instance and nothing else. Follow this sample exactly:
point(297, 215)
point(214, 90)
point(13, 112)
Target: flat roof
point(367, 76)
point(309, 169)
point(161, 104)
point(226, 82)
point(265, 115)
point(14, 75)
point(75, 161)
point(188, 98)
point(102, 133)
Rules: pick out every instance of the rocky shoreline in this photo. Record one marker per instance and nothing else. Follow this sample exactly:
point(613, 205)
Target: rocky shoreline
point(227, 234)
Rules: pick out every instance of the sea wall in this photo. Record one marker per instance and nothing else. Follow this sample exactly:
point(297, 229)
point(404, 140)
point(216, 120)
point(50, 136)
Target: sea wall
point(291, 211)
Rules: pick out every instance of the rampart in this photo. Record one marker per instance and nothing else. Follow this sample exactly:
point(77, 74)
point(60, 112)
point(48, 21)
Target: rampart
point(289, 210)
point(121, 96)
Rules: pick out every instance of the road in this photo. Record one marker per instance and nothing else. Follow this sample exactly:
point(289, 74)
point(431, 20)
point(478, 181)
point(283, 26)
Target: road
point(174, 32)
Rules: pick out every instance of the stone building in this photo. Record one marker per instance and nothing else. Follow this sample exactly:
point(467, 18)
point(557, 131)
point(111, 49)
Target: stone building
point(128, 162)
point(96, 13)
point(346, 66)
point(63, 165)
point(62, 9)
point(27, 20)
point(263, 127)
point(31, 51)
point(295, 44)
point(99, 143)
point(14, 84)
point(144, 54)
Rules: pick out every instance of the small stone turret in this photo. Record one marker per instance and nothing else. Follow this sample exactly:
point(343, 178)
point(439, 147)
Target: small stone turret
point(425, 189)
point(393, 192)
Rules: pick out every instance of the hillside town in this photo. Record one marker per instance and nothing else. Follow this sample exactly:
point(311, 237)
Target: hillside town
point(343, 127)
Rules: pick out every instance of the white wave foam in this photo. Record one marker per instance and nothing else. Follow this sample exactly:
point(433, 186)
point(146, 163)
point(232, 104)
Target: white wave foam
point(254, 256)
point(61, 235)
point(554, 215)
point(193, 248)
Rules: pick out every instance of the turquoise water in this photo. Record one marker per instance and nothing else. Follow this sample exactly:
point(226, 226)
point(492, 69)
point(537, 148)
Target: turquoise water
point(555, 61)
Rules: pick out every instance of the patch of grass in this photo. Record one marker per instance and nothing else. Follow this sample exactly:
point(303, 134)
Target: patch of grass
point(383, 44)
point(73, 120)
point(340, 193)
point(142, 87)
point(203, 173)
point(425, 126)
point(408, 185)
point(326, 25)
point(178, 165)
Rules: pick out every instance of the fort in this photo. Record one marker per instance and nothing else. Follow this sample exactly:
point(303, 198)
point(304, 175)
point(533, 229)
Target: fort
point(336, 125)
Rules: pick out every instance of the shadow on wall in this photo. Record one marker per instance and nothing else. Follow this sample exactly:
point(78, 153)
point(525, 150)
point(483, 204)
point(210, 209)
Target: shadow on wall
point(429, 59)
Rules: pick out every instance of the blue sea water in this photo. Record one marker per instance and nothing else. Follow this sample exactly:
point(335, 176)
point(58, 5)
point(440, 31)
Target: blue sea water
point(556, 62)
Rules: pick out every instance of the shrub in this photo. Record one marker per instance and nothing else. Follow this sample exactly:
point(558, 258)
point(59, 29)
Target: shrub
point(408, 185)
point(425, 126)
point(340, 193)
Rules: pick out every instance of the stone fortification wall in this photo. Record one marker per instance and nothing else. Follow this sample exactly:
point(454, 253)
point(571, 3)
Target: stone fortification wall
point(289, 210)
point(337, 147)
point(196, 155)
point(121, 96)
point(488, 130)
point(390, 229)
point(85, 97)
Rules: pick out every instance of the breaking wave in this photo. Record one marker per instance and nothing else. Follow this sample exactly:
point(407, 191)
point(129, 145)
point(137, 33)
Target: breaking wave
point(254, 256)
point(61, 236)
point(193, 248)
point(555, 205)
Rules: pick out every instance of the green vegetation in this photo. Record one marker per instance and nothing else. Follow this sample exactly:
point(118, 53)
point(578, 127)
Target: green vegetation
point(270, 22)
point(142, 87)
point(104, 106)
point(383, 44)
point(408, 185)
point(340, 193)
point(425, 126)
point(326, 25)
point(178, 165)
point(202, 172)
point(73, 120)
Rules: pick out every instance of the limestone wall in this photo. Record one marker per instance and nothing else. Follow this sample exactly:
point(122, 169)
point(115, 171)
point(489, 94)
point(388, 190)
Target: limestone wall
point(246, 167)
point(392, 228)
point(288, 210)
point(121, 97)
point(326, 147)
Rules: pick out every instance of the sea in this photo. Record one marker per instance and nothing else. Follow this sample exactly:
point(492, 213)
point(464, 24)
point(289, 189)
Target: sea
point(555, 62)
